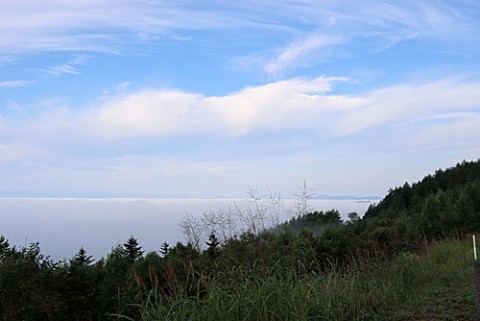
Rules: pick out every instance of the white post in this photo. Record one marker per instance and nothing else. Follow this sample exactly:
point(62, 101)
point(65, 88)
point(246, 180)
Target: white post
point(474, 248)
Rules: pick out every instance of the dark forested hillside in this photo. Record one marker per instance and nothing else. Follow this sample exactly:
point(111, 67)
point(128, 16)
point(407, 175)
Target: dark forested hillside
point(442, 204)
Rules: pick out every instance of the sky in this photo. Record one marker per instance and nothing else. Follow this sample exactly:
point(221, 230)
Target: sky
point(152, 98)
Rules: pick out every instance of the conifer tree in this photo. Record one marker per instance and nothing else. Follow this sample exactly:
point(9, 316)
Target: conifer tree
point(132, 250)
point(164, 249)
point(81, 258)
point(213, 250)
point(4, 247)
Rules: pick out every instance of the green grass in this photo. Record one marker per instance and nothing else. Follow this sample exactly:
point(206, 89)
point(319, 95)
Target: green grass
point(436, 285)
point(449, 293)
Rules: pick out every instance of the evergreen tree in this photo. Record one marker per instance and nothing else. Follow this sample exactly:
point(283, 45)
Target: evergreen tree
point(353, 217)
point(79, 287)
point(4, 247)
point(132, 250)
point(81, 258)
point(118, 286)
point(164, 249)
point(213, 246)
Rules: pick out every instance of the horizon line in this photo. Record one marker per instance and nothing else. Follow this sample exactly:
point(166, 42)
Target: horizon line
point(318, 197)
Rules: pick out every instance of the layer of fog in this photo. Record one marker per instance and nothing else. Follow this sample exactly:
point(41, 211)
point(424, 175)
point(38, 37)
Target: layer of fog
point(62, 226)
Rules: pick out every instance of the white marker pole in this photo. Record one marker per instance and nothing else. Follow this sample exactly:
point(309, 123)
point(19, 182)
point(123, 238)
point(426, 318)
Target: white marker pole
point(474, 248)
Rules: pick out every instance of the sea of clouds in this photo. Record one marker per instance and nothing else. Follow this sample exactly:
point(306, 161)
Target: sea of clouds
point(63, 225)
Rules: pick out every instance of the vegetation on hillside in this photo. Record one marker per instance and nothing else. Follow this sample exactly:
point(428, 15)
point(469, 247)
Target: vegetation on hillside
point(386, 265)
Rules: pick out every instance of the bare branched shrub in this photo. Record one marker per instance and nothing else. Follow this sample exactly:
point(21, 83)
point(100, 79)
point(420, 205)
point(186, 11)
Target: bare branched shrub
point(303, 195)
point(257, 213)
point(217, 221)
point(276, 204)
point(191, 227)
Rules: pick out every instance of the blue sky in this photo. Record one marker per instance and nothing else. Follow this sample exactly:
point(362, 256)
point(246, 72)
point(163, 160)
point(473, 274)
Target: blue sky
point(118, 98)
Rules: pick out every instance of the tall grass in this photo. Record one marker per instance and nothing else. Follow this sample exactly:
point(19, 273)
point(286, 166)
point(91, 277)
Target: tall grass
point(368, 293)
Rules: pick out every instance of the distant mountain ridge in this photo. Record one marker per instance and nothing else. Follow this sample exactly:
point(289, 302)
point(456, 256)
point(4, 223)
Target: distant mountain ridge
point(346, 197)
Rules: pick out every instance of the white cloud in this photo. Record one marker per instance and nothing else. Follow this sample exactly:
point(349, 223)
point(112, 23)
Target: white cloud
point(284, 106)
point(294, 105)
point(400, 103)
point(79, 60)
point(382, 23)
point(299, 52)
point(142, 140)
point(107, 25)
point(122, 86)
point(289, 104)
point(61, 70)
point(451, 132)
point(15, 83)
point(101, 25)
point(5, 59)
point(15, 151)
point(69, 68)
point(148, 113)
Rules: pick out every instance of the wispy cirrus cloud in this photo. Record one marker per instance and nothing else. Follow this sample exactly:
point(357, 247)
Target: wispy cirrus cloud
point(107, 25)
point(15, 83)
point(300, 53)
point(61, 70)
point(103, 25)
point(69, 68)
point(384, 24)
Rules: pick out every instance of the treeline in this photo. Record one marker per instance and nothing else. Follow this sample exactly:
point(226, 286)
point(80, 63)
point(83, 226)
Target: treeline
point(33, 287)
point(441, 205)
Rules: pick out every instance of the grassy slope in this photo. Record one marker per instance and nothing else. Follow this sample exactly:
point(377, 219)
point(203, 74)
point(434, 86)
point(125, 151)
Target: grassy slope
point(436, 285)
point(450, 293)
